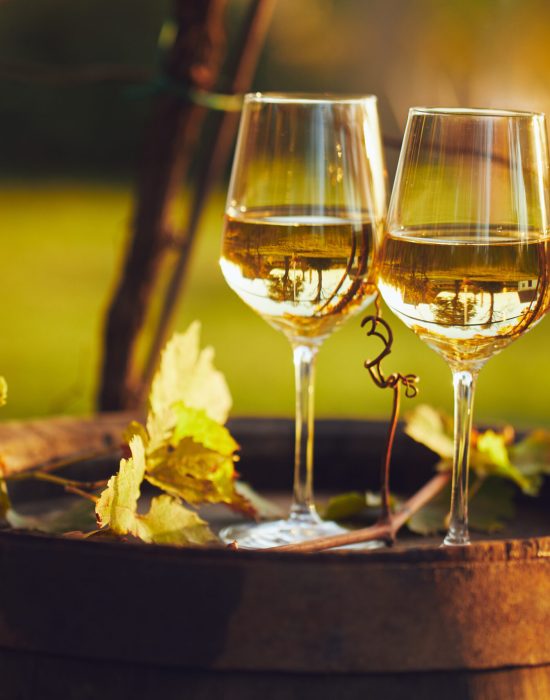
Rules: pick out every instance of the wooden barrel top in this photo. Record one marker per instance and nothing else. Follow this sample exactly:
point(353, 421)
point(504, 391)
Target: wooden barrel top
point(414, 607)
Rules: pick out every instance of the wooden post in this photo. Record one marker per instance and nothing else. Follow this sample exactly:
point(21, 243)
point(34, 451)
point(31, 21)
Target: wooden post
point(173, 131)
point(215, 155)
point(193, 61)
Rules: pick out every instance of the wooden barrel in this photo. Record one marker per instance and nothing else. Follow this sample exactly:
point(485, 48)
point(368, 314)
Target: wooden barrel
point(414, 621)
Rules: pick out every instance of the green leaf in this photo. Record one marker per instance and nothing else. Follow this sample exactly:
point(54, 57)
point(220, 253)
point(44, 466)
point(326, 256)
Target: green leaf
point(491, 505)
point(117, 504)
point(431, 428)
point(431, 518)
point(490, 457)
point(532, 454)
point(78, 516)
point(169, 522)
point(490, 454)
point(196, 424)
point(345, 505)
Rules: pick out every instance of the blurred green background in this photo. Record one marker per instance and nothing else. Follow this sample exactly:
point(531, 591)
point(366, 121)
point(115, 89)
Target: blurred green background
point(68, 158)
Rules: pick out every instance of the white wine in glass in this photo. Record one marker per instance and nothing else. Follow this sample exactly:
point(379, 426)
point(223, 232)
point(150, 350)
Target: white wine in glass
point(465, 260)
point(304, 214)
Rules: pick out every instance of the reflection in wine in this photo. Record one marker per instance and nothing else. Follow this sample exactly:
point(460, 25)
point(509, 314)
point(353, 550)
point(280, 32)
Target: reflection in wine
point(467, 297)
point(303, 274)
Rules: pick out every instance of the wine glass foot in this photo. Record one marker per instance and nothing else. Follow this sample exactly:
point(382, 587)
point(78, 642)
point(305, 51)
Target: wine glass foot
point(457, 538)
point(280, 532)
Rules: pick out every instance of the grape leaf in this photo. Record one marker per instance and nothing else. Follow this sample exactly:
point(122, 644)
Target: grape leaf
point(532, 454)
point(188, 452)
point(431, 428)
point(169, 522)
point(196, 474)
point(490, 506)
point(187, 375)
point(345, 505)
point(78, 516)
point(263, 507)
point(5, 503)
point(184, 450)
point(195, 423)
point(430, 519)
point(491, 457)
point(490, 453)
point(117, 504)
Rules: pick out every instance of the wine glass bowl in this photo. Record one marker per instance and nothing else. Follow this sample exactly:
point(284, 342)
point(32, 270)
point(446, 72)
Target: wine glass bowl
point(304, 214)
point(465, 256)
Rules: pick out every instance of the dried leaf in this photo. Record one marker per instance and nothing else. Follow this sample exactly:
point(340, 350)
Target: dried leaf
point(263, 507)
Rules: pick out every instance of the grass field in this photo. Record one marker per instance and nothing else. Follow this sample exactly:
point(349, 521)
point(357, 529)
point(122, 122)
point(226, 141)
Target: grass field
point(62, 245)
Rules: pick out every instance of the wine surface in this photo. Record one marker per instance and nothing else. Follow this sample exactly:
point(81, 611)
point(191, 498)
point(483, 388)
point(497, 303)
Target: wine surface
point(467, 298)
point(303, 274)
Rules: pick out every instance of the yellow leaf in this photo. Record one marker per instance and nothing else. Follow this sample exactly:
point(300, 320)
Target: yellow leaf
point(187, 375)
point(193, 472)
point(169, 522)
point(135, 428)
point(3, 391)
point(198, 475)
point(428, 426)
point(117, 504)
point(5, 503)
point(196, 424)
point(491, 458)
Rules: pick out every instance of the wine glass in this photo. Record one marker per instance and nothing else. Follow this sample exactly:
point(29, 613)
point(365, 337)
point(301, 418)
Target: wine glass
point(465, 257)
point(304, 213)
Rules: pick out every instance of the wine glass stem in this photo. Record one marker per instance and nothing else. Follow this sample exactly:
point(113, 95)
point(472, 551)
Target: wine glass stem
point(464, 386)
point(303, 508)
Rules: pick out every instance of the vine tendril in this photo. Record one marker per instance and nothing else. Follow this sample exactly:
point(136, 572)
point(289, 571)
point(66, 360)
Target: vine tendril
point(378, 327)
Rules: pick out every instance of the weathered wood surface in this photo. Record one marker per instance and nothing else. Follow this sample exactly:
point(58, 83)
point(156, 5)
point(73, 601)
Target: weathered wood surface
point(487, 606)
point(26, 444)
point(217, 618)
point(32, 676)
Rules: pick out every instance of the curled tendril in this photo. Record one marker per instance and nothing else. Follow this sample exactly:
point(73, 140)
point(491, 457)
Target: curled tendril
point(409, 381)
point(376, 326)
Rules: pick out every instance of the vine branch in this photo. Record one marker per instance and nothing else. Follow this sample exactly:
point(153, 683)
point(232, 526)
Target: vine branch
point(382, 530)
